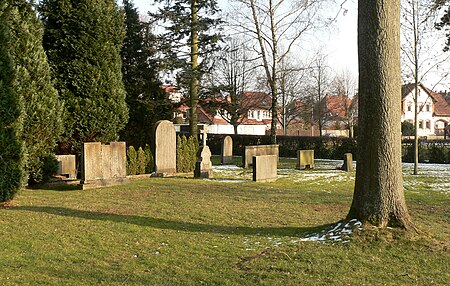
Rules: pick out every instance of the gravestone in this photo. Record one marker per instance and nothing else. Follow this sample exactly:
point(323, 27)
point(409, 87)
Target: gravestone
point(165, 153)
point(258, 150)
point(265, 168)
point(67, 166)
point(203, 166)
point(305, 159)
point(227, 150)
point(103, 165)
point(348, 162)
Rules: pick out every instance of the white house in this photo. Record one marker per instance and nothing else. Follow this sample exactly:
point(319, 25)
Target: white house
point(433, 111)
point(255, 121)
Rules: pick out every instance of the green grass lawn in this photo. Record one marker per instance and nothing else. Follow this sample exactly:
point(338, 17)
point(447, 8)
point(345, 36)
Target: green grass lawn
point(225, 231)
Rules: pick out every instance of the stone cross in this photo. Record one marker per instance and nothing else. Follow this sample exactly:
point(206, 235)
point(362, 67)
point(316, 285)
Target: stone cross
point(204, 133)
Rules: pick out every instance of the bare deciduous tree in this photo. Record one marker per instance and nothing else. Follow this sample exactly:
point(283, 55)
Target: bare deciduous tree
point(320, 77)
point(344, 85)
point(419, 55)
point(276, 26)
point(292, 83)
point(232, 74)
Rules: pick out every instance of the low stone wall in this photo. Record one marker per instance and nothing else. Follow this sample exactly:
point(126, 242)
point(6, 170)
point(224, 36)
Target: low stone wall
point(265, 168)
point(103, 165)
point(258, 150)
point(305, 159)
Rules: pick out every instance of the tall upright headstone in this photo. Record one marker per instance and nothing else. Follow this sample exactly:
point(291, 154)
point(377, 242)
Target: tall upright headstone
point(227, 150)
point(165, 148)
point(203, 166)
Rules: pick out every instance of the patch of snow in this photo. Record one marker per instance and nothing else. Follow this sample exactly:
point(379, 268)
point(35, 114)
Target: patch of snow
point(225, 167)
point(337, 233)
point(227, 180)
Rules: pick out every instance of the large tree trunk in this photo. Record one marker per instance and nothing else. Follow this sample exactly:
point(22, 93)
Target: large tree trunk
point(378, 197)
point(193, 85)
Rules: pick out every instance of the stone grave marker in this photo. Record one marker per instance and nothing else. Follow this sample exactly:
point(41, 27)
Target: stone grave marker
point(203, 166)
point(103, 165)
point(67, 166)
point(165, 155)
point(258, 150)
point(348, 162)
point(305, 159)
point(227, 150)
point(265, 168)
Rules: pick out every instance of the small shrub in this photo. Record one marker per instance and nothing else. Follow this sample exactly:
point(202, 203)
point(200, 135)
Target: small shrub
point(192, 155)
point(180, 155)
point(141, 162)
point(150, 166)
point(131, 161)
point(438, 154)
point(408, 128)
point(42, 169)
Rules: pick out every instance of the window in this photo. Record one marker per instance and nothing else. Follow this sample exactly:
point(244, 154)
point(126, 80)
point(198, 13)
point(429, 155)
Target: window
point(421, 124)
point(409, 107)
point(427, 124)
point(259, 114)
point(428, 107)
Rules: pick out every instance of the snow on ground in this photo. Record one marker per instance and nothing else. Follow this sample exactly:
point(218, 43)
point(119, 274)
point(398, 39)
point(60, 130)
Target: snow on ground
point(438, 173)
point(327, 170)
point(431, 176)
point(337, 233)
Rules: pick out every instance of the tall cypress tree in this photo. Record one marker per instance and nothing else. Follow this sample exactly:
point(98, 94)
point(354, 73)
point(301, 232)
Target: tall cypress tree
point(83, 39)
point(43, 118)
point(147, 102)
point(12, 155)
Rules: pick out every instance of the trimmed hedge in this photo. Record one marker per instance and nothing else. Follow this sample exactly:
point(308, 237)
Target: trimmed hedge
point(432, 151)
point(324, 147)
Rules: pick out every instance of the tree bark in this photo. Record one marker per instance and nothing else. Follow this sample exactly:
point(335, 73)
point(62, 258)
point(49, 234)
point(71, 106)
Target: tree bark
point(193, 85)
point(378, 195)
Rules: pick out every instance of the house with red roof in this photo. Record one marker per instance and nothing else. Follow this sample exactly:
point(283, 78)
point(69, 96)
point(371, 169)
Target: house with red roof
point(254, 108)
point(337, 114)
point(255, 115)
point(433, 110)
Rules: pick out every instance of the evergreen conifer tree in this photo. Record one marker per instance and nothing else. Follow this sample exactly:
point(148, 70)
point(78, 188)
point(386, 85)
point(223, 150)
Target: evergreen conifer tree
point(444, 24)
point(83, 39)
point(146, 100)
point(43, 117)
point(191, 35)
point(12, 155)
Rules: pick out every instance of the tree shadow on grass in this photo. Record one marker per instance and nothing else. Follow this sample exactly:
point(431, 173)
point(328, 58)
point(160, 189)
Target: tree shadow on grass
point(161, 223)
